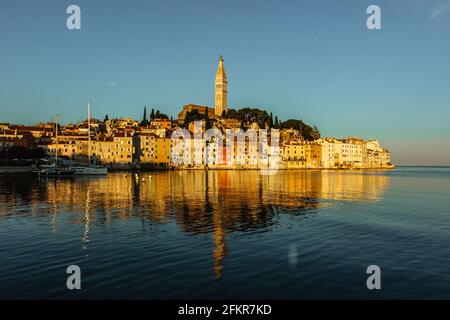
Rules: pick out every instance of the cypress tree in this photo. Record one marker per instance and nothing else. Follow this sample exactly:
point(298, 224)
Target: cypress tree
point(144, 120)
point(152, 114)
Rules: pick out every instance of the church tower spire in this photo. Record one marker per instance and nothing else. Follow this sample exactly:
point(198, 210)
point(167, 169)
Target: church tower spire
point(221, 89)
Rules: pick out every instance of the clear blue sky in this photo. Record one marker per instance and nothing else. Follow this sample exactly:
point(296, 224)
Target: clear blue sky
point(312, 60)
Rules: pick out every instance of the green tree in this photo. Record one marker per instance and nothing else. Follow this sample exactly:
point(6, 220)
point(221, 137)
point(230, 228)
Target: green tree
point(144, 119)
point(152, 115)
point(160, 115)
point(276, 124)
point(308, 132)
point(191, 116)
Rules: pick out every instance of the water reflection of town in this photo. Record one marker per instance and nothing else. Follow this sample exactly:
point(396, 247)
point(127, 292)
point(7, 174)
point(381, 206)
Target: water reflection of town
point(217, 202)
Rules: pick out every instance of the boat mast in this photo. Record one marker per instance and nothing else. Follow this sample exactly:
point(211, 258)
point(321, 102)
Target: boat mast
point(56, 138)
point(89, 132)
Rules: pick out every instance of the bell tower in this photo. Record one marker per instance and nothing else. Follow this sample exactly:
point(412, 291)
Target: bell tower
point(221, 89)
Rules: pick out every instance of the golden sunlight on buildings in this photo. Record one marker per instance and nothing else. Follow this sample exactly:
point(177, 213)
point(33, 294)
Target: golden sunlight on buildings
point(125, 143)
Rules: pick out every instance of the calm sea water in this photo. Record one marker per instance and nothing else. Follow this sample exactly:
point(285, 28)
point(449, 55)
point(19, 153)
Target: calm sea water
point(227, 234)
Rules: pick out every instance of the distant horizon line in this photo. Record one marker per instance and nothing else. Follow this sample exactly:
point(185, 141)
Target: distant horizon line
point(422, 166)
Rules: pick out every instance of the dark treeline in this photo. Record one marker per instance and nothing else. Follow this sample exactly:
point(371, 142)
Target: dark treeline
point(22, 153)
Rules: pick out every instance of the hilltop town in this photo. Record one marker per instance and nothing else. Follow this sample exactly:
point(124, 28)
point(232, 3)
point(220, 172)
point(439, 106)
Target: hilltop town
point(126, 143)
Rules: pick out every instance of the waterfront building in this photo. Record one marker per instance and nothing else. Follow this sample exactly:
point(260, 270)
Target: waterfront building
point(153, 150)
point(352, 152)
point(242, 147)
point(313, 154)
point(329, 155)
point(293, 154)
point(188, 152)
point(214, 154)
point(123, 149)
point(376, 156)
point(385, 158)
point(117, 150)
point(72, 149)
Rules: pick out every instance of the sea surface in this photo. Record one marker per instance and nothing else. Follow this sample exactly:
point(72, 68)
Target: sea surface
point(227, 234)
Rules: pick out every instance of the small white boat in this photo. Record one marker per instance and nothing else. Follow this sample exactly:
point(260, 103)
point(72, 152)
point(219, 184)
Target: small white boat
point(91, 170)
point(54, 171)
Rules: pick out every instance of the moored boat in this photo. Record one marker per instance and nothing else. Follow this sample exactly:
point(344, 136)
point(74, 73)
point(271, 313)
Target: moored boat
point(54, 171)
point(90, 170)
point(65, 172)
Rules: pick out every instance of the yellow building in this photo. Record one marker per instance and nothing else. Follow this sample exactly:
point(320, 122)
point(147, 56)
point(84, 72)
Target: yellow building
point(313, 154)
point(68, 149)
point(154, 150)
point(293, 154)
point(122, 149)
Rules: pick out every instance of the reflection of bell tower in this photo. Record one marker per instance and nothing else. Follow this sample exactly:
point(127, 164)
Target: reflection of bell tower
point(220, 249)
point(221, 88)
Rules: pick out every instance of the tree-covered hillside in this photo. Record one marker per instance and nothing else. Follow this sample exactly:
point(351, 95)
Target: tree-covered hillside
point(265, 120)
point(308, 132)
